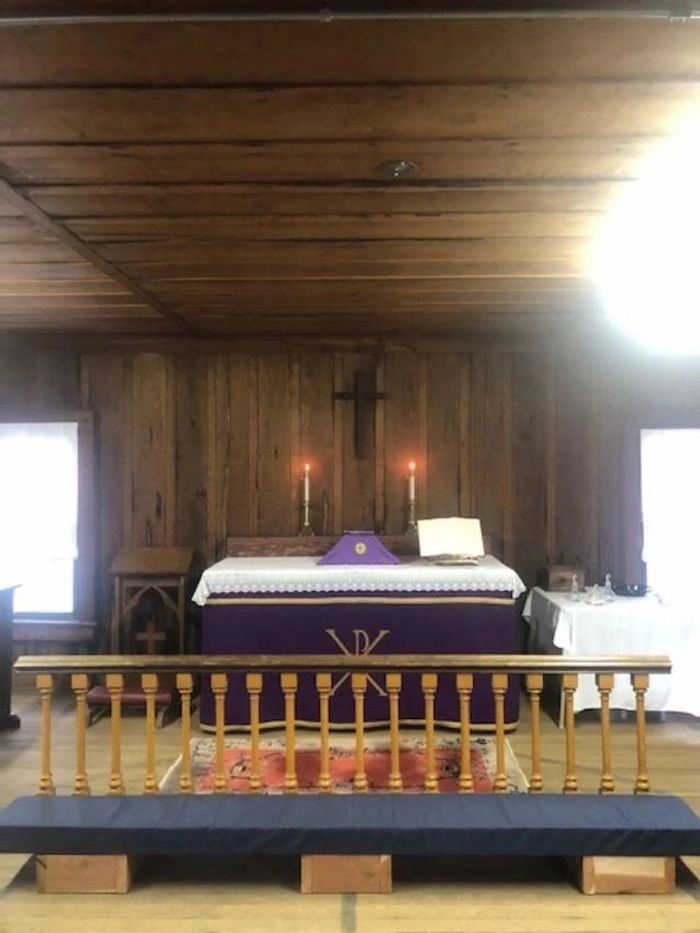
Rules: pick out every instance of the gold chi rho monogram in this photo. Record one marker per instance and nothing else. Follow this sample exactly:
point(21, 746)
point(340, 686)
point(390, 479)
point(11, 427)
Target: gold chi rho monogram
point(363, 645)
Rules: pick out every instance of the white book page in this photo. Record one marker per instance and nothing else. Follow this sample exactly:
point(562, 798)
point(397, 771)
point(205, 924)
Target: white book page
point(458, 537)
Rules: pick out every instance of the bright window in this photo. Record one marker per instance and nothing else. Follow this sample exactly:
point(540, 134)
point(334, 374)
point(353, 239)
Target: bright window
point(39, 513)
point(670, 465)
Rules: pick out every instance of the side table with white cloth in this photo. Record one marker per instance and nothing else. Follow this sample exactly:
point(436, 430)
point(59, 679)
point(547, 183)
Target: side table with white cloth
point(627, 626)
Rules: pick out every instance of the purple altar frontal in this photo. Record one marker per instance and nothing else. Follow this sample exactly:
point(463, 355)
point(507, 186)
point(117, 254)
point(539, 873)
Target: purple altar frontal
point(356, 624)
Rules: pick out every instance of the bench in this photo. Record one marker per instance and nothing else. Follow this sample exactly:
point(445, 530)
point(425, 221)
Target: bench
point(359, 825)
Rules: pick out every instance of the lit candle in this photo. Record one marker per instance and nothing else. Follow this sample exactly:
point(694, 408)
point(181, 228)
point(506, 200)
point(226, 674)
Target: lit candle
point(411, 481)
point(307, 471)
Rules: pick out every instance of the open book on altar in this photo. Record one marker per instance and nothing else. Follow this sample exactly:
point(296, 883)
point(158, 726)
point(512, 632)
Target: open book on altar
point(451, 540)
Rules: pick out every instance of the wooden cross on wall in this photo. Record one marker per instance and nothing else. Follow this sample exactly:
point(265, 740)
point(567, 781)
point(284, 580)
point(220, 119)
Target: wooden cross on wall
point(364, 396)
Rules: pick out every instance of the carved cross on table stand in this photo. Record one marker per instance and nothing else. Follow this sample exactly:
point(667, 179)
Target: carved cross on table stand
point(151, 636)
point(364, 396)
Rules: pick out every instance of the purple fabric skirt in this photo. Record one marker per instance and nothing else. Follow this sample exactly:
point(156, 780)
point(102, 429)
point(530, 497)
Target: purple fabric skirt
point(440, 624)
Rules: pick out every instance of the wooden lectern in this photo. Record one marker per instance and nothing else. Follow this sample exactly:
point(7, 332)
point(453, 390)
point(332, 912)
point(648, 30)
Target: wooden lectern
point(138, 571)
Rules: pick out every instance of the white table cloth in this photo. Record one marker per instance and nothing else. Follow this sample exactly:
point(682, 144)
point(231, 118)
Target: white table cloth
point(303, 575)
point(627, 626)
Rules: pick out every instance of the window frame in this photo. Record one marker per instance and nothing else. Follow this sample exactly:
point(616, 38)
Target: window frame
point(662, 419)
point(85, 563)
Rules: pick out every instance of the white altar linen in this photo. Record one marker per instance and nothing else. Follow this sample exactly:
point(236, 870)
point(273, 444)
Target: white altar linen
point(627, 626)
point(259, 575)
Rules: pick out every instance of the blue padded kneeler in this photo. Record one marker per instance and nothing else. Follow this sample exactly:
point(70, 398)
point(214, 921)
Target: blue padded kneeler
point(352, 824)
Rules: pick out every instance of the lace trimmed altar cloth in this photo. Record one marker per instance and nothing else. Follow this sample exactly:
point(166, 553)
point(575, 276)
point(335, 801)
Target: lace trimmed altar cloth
point(260, 575)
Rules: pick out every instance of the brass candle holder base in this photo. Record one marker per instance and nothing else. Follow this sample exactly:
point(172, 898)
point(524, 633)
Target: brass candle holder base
point(412, 524)
point(305, 529)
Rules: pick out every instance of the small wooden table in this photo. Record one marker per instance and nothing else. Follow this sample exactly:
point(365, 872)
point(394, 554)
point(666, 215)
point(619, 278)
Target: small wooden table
point(138, 571)
point(7, 718)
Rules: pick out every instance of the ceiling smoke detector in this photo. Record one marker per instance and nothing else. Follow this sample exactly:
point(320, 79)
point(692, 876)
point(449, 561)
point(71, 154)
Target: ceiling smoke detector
point(399, 170)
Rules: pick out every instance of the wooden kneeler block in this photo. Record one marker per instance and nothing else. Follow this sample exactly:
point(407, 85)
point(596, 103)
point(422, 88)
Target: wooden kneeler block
point(346, 874)
point(84, 874)
point(613, 874)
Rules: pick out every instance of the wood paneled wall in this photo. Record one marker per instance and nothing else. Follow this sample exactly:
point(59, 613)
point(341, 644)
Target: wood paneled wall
point(193, 445)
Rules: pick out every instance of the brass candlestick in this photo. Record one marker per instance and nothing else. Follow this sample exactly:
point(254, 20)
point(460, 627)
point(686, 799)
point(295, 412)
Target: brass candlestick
point(412, 525)
point(306, 528)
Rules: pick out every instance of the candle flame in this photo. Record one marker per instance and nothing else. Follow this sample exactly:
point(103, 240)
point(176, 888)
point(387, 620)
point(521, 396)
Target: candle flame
point(412, 466)
point(307, 468)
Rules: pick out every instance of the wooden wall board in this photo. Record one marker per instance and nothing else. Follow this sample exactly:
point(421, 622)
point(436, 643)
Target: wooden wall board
point(357, 492)
point(442, 468)
point(191, 455)
point(274, 444)
point(58, 380)
point(576, 458)
point(106, 392)
point(239, 431)
point(17, 377)
point(489, 458)
point(529, 390)
point(152, 462)
point(401, 434)
point(317, 415)
point(218, 433)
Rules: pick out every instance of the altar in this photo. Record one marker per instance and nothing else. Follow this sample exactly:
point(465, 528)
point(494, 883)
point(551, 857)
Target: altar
point(291, 605)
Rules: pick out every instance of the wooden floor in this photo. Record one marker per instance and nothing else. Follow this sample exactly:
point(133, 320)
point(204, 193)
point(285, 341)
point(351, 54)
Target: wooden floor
point(441, 896)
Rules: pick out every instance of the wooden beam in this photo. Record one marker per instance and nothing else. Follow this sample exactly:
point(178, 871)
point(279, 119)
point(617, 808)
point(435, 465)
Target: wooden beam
point(371, 252)
point(364, 112)
point(540, 157)
point(409, 52)
point(84, 201)
point(338, 227)
point(42, 220)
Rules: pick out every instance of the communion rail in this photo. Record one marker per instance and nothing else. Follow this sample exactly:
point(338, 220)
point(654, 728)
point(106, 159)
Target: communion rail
point(360, 668)
point(622, 842)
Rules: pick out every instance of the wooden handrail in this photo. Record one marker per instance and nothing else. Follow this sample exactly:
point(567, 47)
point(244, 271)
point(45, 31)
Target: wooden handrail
point(218, 668)
point(332, 663)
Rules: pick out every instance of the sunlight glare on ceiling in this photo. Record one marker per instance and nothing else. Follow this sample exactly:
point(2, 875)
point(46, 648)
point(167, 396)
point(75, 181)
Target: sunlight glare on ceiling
point(646, 262)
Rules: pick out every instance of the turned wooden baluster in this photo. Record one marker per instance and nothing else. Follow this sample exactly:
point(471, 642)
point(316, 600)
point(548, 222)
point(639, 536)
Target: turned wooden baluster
point(605, 683)
point(149, 685)
point(323, 685)
point(429, 687)
point(465, 685)
point(115, 688)
point(359, 687)
point(184, 685)
point(253, 683)
point(569, 684)
point(393, 688)
point(499, 685)
point(44, 684)
point(219, 686)
point(640, 684)
point(534, 684)
point(79, 683)
point(289, 689)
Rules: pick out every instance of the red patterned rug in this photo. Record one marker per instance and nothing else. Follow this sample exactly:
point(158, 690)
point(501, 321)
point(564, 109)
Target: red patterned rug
point(377, 762)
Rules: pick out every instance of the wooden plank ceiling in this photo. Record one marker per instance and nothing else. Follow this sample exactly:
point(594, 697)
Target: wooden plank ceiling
point(230, 177)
